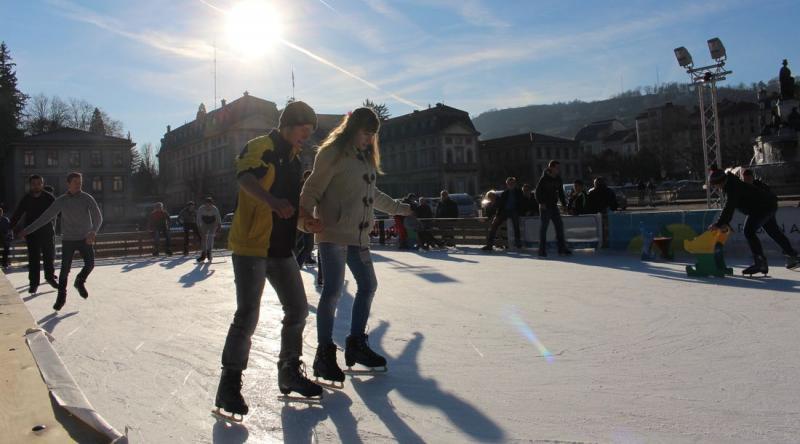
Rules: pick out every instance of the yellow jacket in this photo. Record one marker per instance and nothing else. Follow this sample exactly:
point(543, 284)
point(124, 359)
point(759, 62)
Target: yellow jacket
point(252, 221)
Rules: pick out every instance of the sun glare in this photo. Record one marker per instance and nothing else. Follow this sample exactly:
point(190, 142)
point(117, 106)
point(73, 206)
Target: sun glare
point(253, 28)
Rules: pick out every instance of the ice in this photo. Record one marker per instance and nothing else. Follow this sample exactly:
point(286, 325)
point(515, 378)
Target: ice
point(500, 347)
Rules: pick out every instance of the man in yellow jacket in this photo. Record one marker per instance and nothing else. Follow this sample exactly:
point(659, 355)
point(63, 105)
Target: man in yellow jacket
point(262, 237)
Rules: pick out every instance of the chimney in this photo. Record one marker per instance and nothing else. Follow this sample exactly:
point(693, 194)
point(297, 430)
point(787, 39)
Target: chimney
point(169, 128)
point(224, 103)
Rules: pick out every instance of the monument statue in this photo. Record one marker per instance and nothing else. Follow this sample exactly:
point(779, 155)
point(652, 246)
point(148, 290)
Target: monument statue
point(787, 81)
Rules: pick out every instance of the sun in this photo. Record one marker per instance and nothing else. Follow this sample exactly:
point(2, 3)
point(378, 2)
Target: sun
point(253, 28)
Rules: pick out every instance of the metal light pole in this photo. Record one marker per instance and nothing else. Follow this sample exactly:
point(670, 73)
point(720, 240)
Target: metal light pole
point(705, 80)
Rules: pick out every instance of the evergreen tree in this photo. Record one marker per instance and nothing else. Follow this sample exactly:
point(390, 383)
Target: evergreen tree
point(97, 126)
point(12, 102)
point(380, 109)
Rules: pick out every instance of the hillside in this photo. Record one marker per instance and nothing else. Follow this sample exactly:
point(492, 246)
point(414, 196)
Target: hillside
point(565, 119)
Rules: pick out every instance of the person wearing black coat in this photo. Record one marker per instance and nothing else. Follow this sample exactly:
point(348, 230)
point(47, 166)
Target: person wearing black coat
point(549, 191)
point(447, 208)
point(41, 243)
point(760, 207)
point(601, 198)
point(578, 200)
point(531, 205)
point(510, 205)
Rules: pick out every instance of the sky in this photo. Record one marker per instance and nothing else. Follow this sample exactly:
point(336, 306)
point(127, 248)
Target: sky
point(150, 63)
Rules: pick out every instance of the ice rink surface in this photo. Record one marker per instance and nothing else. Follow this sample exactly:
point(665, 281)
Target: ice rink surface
point(501, 347)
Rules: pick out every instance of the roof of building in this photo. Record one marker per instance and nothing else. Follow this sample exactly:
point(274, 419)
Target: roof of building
point(224, 116)
point(592, 130)
point(72, 135)
point(620, 136)
point(522, 139)
point(424, 122)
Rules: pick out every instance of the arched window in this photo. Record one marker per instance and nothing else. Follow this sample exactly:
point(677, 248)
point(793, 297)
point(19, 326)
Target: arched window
point(449, 156)
point(469, 156)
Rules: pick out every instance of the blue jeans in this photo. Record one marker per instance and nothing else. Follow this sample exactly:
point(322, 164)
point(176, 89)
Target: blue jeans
point(333, 258)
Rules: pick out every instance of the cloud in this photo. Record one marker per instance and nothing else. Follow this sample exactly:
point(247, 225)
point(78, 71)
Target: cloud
point(474, 12)
point(184, 47)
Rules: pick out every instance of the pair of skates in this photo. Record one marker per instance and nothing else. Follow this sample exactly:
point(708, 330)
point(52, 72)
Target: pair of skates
point(357, 351)
point(760, 266)
point(231, 406)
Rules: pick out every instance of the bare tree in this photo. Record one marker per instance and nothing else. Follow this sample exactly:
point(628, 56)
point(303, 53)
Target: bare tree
point(43, 114)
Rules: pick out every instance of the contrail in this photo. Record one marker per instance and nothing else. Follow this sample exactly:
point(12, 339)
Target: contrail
point(348, 73)
point(328, 63)
point(328, 6)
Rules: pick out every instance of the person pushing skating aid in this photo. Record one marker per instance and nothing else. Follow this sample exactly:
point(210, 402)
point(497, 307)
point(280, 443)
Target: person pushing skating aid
point(760, 207)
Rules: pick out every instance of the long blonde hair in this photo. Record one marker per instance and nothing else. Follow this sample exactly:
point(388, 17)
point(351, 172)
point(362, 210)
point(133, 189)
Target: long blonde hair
point(343, 136)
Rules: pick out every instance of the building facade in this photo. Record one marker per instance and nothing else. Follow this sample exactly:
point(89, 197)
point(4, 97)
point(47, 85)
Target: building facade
point(591, 137)
point(525, 156)
point(197, 159)
point(428, 151)
point(104, 161)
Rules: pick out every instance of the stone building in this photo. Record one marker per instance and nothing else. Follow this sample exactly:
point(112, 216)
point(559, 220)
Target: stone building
point(591, 136)
point(197, 159)
point(525, 156)
point(429, 150)
point(104, 161)
point(660, 132)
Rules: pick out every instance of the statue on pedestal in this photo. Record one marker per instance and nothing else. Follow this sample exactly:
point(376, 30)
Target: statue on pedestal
point(787, 81)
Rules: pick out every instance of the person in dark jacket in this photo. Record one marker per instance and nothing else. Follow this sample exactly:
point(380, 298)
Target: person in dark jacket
point(188, 218)
point(423, 212)
point(41, 243)
point(447, 208)
point(749, 178)
point(577, 202)
point(549, 191)
point(601, 198)
point(510, 205)
point(5, 238)
point(530, 205)
point(760, 207)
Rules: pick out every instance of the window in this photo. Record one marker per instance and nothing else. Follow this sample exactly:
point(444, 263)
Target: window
point(75, 159)
point(449, 156)
point(448, 140)
point(52, 158)
point(97, 159)
point(469, 156)
point(118, 159)
point(117, 184)
point(30, 159)
point(97, 183)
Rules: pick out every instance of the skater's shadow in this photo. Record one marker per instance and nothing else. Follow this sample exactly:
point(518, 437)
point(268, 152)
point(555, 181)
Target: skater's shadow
point(406, 380)
point(299, 423)
point(428, 273)
point(226, 432)
point(673, 273)
point(447, 256)
point(49, 322)
point(172, 263)
point(138, 264)
point(200, 273)
point(36, 295)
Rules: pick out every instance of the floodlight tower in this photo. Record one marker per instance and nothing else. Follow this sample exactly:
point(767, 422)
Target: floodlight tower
point(705, 80)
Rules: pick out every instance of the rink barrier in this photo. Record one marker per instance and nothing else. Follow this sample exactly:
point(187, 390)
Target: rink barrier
point(624, 234)
point(25, 400)
point(134, 243)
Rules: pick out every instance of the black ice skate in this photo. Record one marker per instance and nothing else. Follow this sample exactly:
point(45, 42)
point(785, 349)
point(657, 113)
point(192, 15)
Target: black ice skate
point(230, 402)
point(202, 258)
point(326, 368)
point(792, 262)
point(760, 266)
point(208, 256)
point(53, 281)
point(81, 289)
point(292, 378)
point(357, 351)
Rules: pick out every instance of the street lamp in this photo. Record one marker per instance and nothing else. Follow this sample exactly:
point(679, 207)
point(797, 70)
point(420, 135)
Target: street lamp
point(705, 79)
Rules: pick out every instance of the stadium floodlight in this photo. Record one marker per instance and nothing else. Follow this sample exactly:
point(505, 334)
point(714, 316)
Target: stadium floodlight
point(705, 79)
point(717, 49)
point(683, 56)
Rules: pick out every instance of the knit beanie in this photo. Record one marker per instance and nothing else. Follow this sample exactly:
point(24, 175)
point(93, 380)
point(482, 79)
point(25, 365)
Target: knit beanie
point(297, 113)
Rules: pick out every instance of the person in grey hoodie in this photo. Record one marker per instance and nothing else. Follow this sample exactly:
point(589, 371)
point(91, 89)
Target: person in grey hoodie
point(80, 221)
point(208, 221)
point(337, 205)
